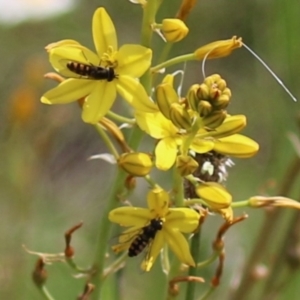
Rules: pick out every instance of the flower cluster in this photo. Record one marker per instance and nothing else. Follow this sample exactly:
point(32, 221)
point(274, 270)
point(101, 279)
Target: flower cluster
point(193, 133)
point(186, 128)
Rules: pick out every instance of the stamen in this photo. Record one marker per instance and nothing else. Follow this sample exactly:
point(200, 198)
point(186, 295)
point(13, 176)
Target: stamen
point(271, 72)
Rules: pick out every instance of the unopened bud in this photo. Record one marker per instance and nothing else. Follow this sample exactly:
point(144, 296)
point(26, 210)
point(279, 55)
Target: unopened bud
point(218, 49)
point(215, 119)
point(180, 117)
point(136, 163)
point(203, 91)
point(165, 97)
point(192, 96)
point(204, 108)
point(214, 194)
point(174, 30)
point(186, 165)
point(222, 102)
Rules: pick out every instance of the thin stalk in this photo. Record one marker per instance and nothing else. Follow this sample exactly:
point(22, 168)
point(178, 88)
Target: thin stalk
point(173, 61)
point(119, 118)
point(195, 251)
point(150, 9)
point(46, 294)
point(104, 233)
point(107, 141)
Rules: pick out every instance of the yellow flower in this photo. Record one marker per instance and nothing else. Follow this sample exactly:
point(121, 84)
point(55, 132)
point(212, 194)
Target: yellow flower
point(173, 221)
point(222, 139)
point(219, 48)
point(122, 68)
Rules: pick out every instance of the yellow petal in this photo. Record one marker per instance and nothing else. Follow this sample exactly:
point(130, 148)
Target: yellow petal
point(178, 245)
point(134, 93)
point(133, 60)
point(130, 216)
point(165, 153)
point(236, 145)
point(184, 219)
point(153, 252)
point(219, 48)
point(201, 145)
point(158, 202)
point(59, 57)
point(231, 125)
point(214, 194)
point(104, 33)
point(60, 43)
point(100, 100)
point(156, 125)
point(68, 91)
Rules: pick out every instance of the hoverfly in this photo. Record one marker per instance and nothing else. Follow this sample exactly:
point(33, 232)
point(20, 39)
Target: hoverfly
point(91, 71)
point(145, 237)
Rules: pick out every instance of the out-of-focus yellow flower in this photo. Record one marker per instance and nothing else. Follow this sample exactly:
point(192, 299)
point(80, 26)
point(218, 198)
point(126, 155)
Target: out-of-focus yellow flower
point(125, 65)
point(174, 30)
point(174, 221)
point(218, 49)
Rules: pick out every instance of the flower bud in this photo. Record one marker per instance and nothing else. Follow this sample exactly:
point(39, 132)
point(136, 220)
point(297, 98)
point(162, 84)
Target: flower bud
point(186, 165)
point(222, 101)
point(165, 97)
point(180, 117)
point(218, 49)
point(136, 163)
point(203, 91)
point(192, 96)
point(174, 30)
point(214, 194)
point(261, 201)
point(215, 119)
point(204, 108)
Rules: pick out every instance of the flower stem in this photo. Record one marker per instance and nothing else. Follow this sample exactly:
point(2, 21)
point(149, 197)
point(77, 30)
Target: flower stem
point(104, 233)
point(107, 141)
point(173, 61)
point(195, 251)
point(46, 294)
point(119, 118)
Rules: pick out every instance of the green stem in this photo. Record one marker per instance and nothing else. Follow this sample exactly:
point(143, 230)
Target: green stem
point(119, 118)
point(104, 234)
point(178, 188)
point(208, 261)
point(46, 294)
point(107, 141)
point(74, 266)
point(150, 9)
point(173, 61)
point(195, 251)
point(238, 204)
point(208, 293)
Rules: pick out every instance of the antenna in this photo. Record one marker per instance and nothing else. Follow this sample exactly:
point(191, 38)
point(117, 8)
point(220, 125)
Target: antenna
point(271, 72)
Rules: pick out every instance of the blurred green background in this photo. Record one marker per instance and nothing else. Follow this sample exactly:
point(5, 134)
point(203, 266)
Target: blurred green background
point(47, 185)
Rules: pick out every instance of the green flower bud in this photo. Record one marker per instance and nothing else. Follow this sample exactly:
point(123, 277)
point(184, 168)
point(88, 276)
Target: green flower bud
point(222, 102)
point(204, 108)
point(192, 96)
point(180, 117)
point(165, 97)
point(174, 30)
point(186, 165)
point(136, 163)
point(215, 119)
point(203, 91)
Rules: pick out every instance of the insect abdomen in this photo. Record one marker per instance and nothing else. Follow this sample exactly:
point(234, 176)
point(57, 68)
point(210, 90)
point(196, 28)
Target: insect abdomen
point(92, 72)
